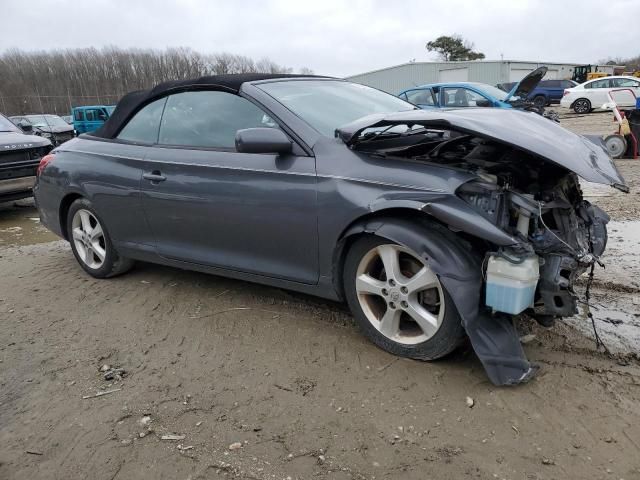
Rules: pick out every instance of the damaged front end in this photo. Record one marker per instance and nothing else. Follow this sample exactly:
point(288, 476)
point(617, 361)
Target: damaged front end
point(524, 181)
point(560, 236)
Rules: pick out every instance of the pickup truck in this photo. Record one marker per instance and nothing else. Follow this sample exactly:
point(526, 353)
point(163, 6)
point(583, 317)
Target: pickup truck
point(20, 155)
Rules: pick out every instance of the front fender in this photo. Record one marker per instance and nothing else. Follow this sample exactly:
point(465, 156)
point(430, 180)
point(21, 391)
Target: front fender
point(453, 212)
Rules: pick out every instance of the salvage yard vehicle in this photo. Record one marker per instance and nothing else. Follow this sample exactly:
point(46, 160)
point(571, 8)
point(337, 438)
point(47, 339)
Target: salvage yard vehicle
point(20, 156)
point(591, 95)
point(48, 126)
point(546, 92)
point(475, 94)
point(309, 183)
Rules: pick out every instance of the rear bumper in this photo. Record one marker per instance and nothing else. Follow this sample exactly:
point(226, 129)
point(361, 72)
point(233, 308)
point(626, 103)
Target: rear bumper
point(565, 102)
point(48, 200)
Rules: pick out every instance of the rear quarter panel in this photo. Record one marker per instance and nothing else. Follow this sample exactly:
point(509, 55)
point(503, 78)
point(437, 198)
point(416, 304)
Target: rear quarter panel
point(106, 173)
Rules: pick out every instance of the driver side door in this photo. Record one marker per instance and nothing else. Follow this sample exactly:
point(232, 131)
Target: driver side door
point(208, 204)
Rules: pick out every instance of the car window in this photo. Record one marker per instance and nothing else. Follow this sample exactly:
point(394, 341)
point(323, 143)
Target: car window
point(209, 119)
point(604, 83)
point(463, 97)
point(144, 125)
point(421, 97)
point(78, 115)
point(95, 114)
point(624, 82)
point(551, 83)
point(568, 84)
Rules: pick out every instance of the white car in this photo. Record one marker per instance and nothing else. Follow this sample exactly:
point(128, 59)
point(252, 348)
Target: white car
point(593, 94)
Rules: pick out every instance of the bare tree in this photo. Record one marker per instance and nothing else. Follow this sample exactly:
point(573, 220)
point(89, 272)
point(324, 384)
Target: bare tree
point(57, 80)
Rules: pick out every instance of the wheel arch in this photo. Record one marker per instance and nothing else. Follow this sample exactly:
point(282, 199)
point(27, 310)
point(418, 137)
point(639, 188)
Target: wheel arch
point(578, 99)
point(65, 204)
point(397, 223)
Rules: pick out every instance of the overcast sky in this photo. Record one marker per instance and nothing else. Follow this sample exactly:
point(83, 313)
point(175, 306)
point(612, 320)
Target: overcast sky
point(329, 36)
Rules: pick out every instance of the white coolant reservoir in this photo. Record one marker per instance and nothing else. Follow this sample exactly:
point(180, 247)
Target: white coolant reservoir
point(511, 286)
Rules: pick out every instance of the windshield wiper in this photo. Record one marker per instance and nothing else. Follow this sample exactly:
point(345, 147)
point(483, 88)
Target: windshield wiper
point(372, 137)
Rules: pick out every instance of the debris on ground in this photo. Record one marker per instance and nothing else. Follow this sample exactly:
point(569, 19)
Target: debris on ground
point(114, 374)
point(102, 393)
point(171, 436)
point(235, 446)
point(470, 402)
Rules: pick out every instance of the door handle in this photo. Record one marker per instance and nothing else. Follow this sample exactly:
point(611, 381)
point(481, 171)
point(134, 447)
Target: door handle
point(154, 176)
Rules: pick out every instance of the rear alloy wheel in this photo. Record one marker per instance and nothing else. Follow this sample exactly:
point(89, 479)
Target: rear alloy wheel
point(399, 301)
point(540, 101)
point(91, 243)
point(582, 105)
point(88, 238)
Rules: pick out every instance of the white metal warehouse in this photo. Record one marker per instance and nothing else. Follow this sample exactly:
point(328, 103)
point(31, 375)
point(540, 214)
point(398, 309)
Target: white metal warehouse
point(400, 77)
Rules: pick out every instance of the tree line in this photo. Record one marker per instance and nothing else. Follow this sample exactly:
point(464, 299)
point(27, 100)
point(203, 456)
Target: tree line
point(54, 81)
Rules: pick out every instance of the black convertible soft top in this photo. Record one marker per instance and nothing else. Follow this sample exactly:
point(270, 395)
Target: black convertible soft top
point(134, 101)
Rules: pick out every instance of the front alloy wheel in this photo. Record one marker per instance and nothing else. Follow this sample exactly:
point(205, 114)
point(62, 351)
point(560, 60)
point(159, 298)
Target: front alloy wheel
point(399, 294)
point(398, 300)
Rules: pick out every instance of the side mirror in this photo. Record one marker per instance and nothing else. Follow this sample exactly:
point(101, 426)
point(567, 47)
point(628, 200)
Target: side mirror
point(483, 103)
point(263, 140)
point(25, 126)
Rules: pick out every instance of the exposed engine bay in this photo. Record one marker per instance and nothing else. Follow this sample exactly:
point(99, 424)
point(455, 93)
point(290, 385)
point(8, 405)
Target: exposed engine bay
point(560, 235)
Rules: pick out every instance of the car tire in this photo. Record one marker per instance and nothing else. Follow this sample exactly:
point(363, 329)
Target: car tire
point(91, 243)
point(582, 106)
point(540, 101)
point(384, 317)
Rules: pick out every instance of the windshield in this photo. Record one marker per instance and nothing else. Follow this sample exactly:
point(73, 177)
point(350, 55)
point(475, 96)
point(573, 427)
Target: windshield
point(492, 91)
point(327, 105)
point(46, 121)
point(6, 125)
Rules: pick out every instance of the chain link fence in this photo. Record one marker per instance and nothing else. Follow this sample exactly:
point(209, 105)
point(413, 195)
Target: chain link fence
point(55, 104)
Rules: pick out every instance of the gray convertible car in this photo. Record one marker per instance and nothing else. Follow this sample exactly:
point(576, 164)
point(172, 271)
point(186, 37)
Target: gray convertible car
point(433, 226)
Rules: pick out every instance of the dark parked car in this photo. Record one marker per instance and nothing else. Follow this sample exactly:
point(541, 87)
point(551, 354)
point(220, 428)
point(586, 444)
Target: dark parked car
point(48, 126)
point(20, 156)
point(309, 183)
point(546, 93)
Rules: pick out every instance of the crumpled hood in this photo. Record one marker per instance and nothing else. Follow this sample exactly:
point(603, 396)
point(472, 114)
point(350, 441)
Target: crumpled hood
point(520, 129)
point(20, 141)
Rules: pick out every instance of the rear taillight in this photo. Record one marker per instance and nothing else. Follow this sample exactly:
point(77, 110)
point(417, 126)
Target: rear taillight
point(44, 161)
point(565, 93)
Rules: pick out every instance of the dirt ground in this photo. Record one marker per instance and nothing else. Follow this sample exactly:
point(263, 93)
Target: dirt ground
point(227, 379)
